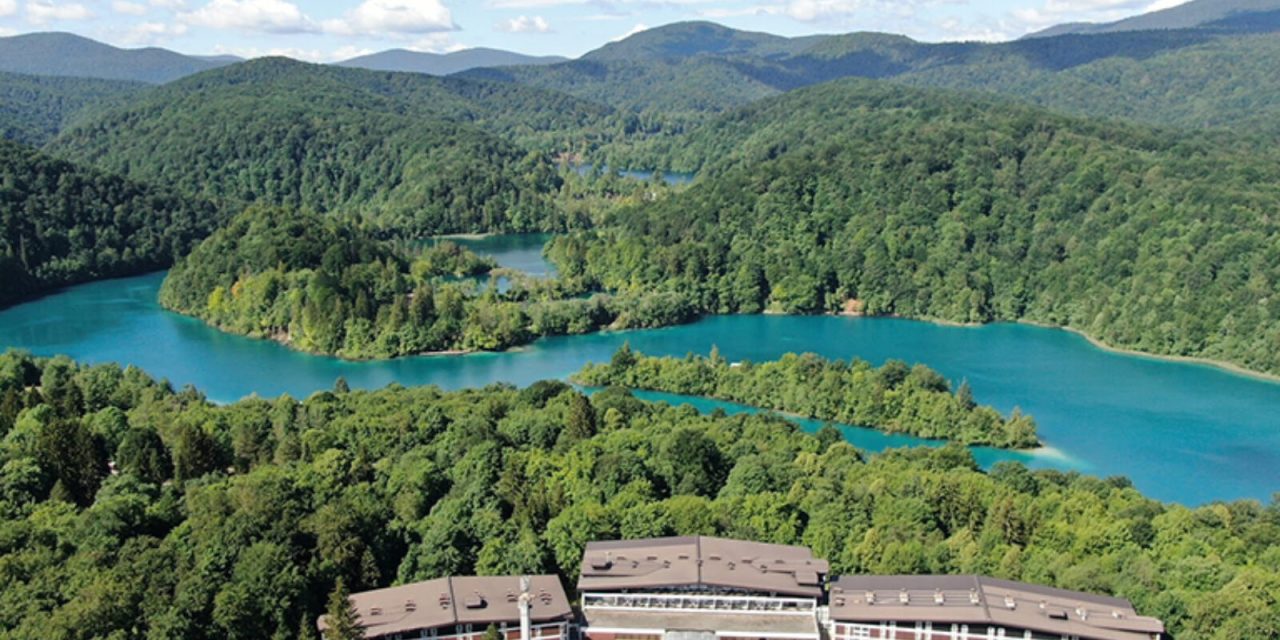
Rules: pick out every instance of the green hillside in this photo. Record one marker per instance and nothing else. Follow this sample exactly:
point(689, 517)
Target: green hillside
point(33, 109)
point(865, 197)
point(415, 154)
point(61, 224)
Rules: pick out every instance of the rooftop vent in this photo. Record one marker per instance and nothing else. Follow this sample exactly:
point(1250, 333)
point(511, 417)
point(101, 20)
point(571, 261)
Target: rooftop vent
point(651, 558)
point(1083, 613)
point(732, 564)
point(1010, 603)
point(1058, 614)
point(1116, 614)
point(410, 605)
point(474, 602)
point(601, 564)
point(938, 598)
point(716, 558)
point(839, 602)
point(512, 597)
point(973, 597)
point(683, 556)
point(375, 611)
point(903, 597)
point(871, 597)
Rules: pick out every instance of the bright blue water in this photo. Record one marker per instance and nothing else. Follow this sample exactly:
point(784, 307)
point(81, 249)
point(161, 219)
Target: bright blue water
point(674, 178)
point(1183, 432)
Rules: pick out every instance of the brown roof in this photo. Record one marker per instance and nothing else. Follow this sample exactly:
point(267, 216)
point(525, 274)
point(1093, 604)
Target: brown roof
point(726, 624)
point(446, 602)
point(980, 600)
point(657, 563)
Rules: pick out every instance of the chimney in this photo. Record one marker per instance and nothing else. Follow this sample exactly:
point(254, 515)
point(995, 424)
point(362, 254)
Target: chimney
point(526, 601)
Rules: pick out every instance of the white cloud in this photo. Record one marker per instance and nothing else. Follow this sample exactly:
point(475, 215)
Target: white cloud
point(348, 52)
point(1160, 5)
point(534, 4)
point(378, 17)
point(525, 24)
point(640, 26)
point(168, 4)
point(129, 8)
point(267, 16)
point(437, 43)
point(153, 32)
point(306, 55)
point(44, 11)
point(8, 7)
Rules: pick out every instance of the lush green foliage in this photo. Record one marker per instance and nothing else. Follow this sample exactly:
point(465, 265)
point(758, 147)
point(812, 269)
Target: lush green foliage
point(894, 397)
point(864, 197)
point(33, 109)
point(254, 510)
point(61, 224)
point(410, 152)
point(324, 285)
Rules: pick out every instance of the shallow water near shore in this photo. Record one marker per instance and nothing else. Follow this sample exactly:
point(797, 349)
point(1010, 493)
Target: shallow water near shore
point(1183, 432)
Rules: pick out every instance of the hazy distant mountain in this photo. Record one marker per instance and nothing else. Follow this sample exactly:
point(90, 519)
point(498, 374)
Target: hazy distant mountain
point(686, 39)
point(66, 54)
point(1243, 15)
point(443, 64)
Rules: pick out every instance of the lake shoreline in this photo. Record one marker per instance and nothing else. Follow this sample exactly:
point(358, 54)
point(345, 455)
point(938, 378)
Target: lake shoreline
point(1228, 367)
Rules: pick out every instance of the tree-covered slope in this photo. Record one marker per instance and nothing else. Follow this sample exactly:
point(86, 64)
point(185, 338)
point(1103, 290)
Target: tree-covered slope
point(864, 197)
point(1194, 78)
point(61, 224)
point(67, 54)
point(33, 109)
point(237, 520)
point(413, 153)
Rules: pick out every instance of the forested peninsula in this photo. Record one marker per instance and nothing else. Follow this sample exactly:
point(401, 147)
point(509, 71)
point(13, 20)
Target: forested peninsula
point(130, 510)
point(324, 284)
point(895, 397)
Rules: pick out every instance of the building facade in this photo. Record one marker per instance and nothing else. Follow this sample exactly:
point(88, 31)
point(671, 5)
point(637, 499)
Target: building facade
point(700, 588)
point(463, 608)
point(977, 608)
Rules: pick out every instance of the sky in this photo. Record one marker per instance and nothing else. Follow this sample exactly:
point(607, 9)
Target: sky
point(328, 30)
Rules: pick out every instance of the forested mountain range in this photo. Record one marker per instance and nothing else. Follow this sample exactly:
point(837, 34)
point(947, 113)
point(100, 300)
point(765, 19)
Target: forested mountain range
point(415, 153)
point(1235, 14)
point(1211, 77)
point(67, 54)
point(442, 64)
point(61, 224)
point(33, 109)
point(867, 197)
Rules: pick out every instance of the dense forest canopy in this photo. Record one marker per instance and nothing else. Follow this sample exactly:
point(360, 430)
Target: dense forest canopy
point(894, 397)
point(416, 155)
point(33, 109)
point(61, 224)
point(235, 521)
point(863, 197)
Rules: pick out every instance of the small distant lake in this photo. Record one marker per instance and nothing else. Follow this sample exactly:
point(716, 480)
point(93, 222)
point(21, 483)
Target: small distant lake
point(672, 178)
point(1184, 432)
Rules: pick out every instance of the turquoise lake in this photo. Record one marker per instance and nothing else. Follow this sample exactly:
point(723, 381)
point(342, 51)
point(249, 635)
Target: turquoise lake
point(1182, 432)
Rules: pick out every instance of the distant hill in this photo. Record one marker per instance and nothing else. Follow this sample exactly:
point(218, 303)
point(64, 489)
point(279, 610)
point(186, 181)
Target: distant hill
point(66, 54)
point(1233, 14)
point(1194, 78)
point(687, 39)
point(443, 64)
point(33, 109)
point(413, 154)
